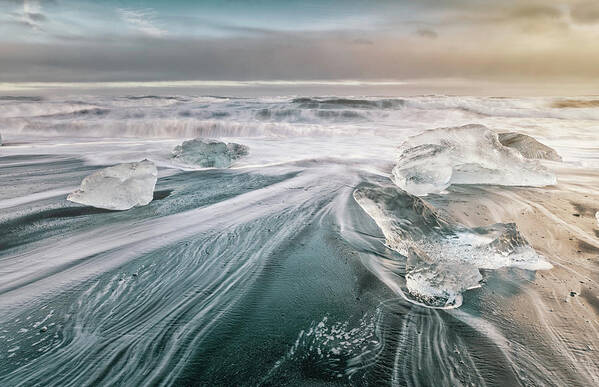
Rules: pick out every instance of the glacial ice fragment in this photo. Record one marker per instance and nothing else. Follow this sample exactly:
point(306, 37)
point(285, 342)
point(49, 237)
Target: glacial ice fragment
point(119, 187)
point(441, 285)
point(443, 257)
point(207, 153)
point(237, 151)
point(528, 146)
point(472, 154)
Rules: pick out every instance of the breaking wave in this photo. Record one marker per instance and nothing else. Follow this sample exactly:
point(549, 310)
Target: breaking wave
point(333, 103)
point(187, 116)
point(175, 128)
point(576, 103)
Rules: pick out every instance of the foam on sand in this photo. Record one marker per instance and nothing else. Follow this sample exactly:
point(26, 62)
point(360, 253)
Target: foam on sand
point(119, 187)
point(472, 154)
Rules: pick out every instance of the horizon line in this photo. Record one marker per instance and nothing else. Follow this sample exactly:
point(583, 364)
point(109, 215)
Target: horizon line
point(20, 86)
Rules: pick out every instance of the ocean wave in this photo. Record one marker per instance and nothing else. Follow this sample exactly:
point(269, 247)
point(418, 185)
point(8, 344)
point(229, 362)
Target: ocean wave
point(77, 114)
point(323, 103)
point(165, 97)
point(576, 103)
point(20, 98)
point(44, 109)
point(309, 115)
point(178, 115)
point(483, 107)
point(173, 128)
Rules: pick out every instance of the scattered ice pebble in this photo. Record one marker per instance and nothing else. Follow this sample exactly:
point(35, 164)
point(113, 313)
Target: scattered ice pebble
point(209, 153)
point(528, 146)
point(119, 187)
point(472, 154)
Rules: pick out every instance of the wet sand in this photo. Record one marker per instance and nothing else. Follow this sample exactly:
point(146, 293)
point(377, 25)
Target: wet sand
point(558, 308)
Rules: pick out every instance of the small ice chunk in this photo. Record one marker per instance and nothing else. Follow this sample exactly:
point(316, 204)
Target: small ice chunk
point(209, 153)
point(442, 285)
point(0, 139)
point(528, 146)
point(597, 218)
point(119, 187)
point(472, 154)
point(237, 151)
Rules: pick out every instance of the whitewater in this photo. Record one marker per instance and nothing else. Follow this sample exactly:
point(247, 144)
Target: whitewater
point(357, 240)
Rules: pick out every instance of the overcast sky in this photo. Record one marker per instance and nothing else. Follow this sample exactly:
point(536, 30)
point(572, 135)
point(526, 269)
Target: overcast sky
point(62, 40)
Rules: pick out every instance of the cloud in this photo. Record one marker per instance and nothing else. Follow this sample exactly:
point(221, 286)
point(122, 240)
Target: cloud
point(30, 15)
point(501, 14)
point(294, 56)
point(427, 33)
point(535, 12)
point(21, 2)
point(585, 12)
point(362, 41)
point(35, 16)
point(460, 38)
point(142, 20)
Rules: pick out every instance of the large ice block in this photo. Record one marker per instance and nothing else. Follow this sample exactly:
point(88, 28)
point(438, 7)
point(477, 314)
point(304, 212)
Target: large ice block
point(119, 187)
point(209, 153)
point(472, 154)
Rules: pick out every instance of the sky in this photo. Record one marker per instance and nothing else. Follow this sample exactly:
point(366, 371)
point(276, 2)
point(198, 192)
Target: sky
point(132, 41)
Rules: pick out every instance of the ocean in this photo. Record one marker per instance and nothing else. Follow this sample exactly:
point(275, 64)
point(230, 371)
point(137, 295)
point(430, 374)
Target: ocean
point(322, 257)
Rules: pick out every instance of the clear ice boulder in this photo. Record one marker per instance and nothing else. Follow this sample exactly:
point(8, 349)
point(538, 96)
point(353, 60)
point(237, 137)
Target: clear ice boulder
point(119, 187)
point(209, 153)
point(472, 154)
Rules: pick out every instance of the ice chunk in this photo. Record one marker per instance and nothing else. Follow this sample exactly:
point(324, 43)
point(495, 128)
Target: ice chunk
point(237, 151)
point(442, 285)
point(119, 187)
point(442, 256)
point(472, 154)
point(528, 146)
point(207, 153)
